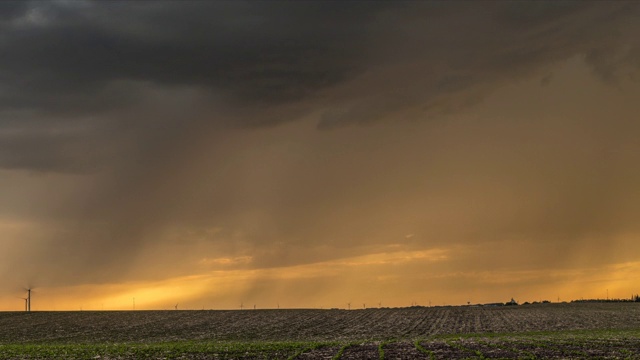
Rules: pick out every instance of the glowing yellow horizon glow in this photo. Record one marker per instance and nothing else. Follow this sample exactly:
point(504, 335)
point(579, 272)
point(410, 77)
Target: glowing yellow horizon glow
point(371, 278)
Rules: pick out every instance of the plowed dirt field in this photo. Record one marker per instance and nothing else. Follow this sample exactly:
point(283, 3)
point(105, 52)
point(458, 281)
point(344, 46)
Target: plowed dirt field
point(545, 331)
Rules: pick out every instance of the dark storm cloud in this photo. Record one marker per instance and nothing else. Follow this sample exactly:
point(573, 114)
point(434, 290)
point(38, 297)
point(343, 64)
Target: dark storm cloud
point(262, 52)
point(66, 60)
point(12, 9)
point(452, 60)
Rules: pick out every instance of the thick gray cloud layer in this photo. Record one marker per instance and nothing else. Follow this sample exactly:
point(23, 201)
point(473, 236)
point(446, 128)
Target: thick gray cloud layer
point(154, 120)
point(64, 54)
point(66, 63)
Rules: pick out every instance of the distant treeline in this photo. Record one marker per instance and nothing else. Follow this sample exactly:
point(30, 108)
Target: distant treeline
point(633, 298)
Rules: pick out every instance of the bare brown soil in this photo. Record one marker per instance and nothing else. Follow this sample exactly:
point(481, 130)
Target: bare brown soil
point(309, 325)
point(441, 332)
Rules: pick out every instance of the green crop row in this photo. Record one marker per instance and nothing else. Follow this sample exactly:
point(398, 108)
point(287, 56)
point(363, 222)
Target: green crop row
point(218, 350)
point(580, 344)
point(535, 345)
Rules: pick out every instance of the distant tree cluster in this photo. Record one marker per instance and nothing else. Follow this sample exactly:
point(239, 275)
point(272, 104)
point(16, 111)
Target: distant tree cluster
point(634, 298)
point(537, 302)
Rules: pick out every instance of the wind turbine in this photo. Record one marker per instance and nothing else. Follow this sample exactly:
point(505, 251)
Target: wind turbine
point(28, 300)
point(176, 307)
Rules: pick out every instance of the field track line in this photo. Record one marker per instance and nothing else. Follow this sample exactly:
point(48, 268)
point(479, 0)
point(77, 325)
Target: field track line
point(420, 348)
point(424, 318)
point(381, 346)
point(457, 344)
point(305, 350)
point(441, 317)
point(344, 347)
point(527, 355)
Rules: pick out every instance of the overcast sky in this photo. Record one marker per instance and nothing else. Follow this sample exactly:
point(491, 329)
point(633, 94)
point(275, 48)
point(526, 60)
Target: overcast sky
point(312, 154)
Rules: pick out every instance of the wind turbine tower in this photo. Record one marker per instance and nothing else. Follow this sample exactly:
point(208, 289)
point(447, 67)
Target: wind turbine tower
point(29, 300)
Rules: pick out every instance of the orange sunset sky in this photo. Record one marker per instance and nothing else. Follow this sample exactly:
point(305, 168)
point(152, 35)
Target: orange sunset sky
point(317, 154)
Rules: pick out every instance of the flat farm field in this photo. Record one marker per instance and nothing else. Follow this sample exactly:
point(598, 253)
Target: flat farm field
point(544, 331)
